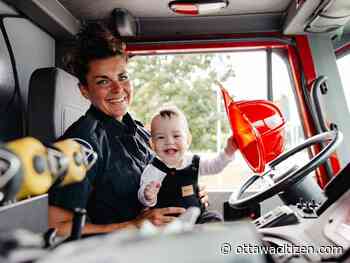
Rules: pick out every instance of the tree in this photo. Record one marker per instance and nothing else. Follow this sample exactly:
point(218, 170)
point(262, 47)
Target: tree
point(187, 81)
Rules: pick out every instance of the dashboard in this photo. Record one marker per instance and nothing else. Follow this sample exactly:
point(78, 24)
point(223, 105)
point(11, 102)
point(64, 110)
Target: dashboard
point(285, 234)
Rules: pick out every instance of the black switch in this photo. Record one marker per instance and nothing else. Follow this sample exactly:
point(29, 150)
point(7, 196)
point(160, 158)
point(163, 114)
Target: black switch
point(230, 213)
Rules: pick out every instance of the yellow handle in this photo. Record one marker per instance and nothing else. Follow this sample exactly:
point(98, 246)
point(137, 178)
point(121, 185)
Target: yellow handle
point(76, 169)
point(37, 178)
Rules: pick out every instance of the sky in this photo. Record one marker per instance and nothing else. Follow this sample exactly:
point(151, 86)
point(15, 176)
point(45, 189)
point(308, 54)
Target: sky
point(344, 66)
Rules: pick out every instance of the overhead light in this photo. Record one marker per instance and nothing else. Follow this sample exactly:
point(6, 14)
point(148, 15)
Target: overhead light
point(197, 8)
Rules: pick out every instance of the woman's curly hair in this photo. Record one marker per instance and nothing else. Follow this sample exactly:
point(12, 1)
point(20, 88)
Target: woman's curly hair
point(94, 41)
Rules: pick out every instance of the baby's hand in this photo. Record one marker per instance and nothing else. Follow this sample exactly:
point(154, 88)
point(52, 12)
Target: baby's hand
point(231, 146)
point(151, 191)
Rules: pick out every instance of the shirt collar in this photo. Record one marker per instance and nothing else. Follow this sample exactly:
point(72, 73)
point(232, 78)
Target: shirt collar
point(186, 161)
point(125, 127)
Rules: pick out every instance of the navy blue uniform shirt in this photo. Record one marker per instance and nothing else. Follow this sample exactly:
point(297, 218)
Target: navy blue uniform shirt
point(109, 191)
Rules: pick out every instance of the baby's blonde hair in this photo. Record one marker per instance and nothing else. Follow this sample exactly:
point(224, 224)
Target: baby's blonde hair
point(169, 111)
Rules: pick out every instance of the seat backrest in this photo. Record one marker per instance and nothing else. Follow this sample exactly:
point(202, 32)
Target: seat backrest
point(54, 103)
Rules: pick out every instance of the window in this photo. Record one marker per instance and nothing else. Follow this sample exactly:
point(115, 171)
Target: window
point(284, 98)
point(343, 66)
point(189, 81)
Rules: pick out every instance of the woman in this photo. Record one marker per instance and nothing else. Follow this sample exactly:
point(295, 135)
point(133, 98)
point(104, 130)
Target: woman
point(109, 192)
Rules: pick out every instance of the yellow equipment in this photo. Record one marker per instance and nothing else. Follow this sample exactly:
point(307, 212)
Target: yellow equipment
point(28, 168)
point(80, 158)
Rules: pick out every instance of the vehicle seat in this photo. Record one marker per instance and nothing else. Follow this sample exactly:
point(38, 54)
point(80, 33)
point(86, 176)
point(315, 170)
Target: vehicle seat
point(54, 103)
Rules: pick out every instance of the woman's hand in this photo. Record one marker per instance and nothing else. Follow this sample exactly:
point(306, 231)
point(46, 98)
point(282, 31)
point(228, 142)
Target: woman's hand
point(203, 195)
point(159, 216)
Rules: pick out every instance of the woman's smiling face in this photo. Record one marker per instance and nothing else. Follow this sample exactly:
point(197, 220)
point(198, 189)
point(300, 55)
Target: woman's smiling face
point(108, 86)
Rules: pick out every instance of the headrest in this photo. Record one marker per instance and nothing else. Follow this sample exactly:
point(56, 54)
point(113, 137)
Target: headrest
point(54, 103)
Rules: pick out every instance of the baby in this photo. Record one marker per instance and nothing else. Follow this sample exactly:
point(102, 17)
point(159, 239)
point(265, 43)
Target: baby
point(171, 179)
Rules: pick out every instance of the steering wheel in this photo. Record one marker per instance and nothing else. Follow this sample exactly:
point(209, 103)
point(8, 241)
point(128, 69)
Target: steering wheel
point(292, 175)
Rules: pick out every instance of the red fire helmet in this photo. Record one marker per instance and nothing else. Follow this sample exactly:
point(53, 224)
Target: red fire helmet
point(258, 129)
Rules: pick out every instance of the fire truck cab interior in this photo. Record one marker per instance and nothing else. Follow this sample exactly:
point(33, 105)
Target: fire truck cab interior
point(302, 214)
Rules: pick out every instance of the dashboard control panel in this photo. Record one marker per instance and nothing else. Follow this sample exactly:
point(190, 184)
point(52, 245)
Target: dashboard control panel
point(280, 216)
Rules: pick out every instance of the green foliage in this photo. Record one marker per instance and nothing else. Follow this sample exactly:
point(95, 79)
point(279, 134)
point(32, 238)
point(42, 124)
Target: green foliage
point(187, 81)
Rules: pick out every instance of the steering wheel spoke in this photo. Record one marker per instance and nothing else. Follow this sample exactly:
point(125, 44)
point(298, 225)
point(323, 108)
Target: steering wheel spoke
point(292, 175)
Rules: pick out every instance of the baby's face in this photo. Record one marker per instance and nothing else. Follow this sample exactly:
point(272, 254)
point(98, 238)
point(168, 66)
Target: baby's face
point(170, 139)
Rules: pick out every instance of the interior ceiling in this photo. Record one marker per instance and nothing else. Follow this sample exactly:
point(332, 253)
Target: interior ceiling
point(62, 18)
point(99, 9)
